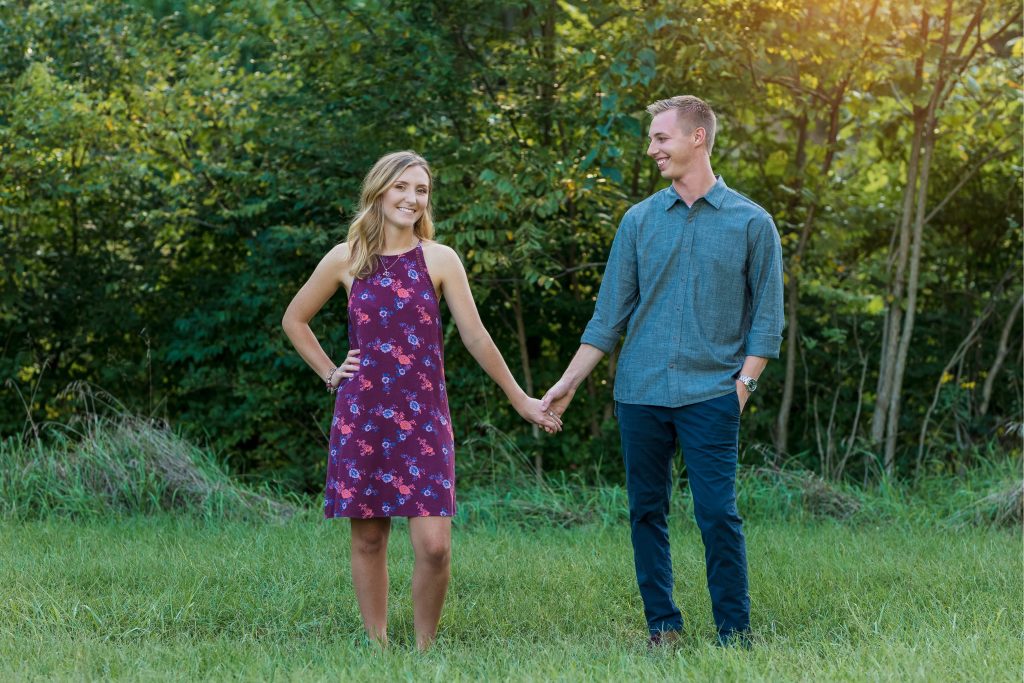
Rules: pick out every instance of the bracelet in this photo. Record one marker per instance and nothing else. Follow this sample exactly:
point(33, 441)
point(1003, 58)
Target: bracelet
point(327, 380)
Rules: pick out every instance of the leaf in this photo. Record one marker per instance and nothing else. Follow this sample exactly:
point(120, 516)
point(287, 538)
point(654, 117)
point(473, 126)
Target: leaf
point(589, 159)
point(776, 164)
point(611, 173)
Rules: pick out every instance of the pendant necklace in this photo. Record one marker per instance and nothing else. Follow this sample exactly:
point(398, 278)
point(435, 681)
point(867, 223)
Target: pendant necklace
point(387, 266)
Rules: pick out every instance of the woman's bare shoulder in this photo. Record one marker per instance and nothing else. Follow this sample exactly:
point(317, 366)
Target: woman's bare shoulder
point(442, 262)
point(339, 252)
point(339, 256)
point(441, 253)
point(338, 263)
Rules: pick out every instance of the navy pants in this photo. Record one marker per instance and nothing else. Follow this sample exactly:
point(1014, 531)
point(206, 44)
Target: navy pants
point(708, 433)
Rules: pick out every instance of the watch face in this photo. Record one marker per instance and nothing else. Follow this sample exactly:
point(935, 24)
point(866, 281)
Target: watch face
point(752, 384)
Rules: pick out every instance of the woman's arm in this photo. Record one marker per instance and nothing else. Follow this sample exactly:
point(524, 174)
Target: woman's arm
point(320, 287)
point(454, 285)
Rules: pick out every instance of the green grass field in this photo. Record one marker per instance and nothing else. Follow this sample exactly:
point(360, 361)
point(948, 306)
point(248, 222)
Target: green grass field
point(169, 598)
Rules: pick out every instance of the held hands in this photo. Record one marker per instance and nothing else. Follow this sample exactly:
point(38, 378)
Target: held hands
point(558, 397)
point(347, 369)
point(530, 409)
point(547, 413)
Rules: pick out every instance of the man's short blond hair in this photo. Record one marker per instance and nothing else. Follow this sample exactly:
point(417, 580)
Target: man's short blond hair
point(691, 112)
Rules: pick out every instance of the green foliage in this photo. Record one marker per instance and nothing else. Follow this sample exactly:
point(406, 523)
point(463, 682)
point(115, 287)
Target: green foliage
point(171, 172)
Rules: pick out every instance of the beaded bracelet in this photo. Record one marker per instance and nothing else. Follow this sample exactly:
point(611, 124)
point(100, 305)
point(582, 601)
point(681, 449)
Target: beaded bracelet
point(327, 381)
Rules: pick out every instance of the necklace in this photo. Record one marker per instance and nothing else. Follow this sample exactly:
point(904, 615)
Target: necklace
point(389, 266)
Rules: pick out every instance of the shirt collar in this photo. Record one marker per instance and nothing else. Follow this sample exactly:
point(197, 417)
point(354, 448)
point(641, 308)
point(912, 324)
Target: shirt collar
point(715, 196)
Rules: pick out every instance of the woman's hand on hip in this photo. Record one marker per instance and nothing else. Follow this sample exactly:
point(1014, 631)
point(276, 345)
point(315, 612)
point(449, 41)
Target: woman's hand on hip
point(347, 369)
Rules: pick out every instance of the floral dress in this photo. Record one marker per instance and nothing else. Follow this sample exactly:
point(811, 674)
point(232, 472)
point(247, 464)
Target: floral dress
point(392, 452)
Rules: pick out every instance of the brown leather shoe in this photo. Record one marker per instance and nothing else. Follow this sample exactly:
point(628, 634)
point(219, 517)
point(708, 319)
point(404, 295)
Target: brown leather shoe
point(664, 639)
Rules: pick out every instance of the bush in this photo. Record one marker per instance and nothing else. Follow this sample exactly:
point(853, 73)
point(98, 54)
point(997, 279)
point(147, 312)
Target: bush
point(1002, 507)
point(122, 464)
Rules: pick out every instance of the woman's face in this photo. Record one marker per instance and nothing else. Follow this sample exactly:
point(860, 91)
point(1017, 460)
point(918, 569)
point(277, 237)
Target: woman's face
point(405, 201)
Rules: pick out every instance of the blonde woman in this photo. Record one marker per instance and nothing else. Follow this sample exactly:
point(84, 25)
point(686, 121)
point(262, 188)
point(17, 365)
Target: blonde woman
point(391, 450)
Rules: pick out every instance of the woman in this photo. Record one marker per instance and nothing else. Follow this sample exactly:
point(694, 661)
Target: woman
point(391, 448)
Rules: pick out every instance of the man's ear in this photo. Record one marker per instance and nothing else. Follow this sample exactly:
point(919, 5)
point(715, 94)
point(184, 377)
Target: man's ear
point(699, 135)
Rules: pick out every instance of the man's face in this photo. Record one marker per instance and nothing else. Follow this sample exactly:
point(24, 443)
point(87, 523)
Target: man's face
point(673, 148)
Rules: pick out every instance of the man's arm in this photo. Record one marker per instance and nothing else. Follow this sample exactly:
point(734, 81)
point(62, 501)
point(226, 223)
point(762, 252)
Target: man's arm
point(583, 363)
point(616, 301)
point(767, 312)
point(753, 366)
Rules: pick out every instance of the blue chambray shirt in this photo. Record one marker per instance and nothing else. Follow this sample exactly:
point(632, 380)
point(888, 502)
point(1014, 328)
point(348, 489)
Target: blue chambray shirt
point(696, 290)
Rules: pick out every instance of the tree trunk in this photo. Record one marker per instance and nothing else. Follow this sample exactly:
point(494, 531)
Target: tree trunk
point(795, 272)
point(524, 359)
point(900, 364)
point(894, 312)
point(792, 299)
point(925, 125)
point(1001, 353)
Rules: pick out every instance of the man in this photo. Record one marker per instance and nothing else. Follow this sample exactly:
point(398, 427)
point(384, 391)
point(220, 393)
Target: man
point(694, 279)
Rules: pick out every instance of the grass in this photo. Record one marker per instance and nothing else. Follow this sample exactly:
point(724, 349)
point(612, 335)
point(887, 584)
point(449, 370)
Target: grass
point(110, 462)
point(110, 465)
point(127, 553)
point(172, 598)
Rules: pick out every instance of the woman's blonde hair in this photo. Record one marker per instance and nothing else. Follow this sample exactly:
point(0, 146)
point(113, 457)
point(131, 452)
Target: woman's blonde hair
point(366, 232)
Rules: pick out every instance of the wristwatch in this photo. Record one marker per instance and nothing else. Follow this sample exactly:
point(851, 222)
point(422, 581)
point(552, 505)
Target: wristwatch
point(749, 382)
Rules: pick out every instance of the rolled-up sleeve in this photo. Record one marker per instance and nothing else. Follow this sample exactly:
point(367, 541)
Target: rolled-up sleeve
point(620, 290)
point(764, 280)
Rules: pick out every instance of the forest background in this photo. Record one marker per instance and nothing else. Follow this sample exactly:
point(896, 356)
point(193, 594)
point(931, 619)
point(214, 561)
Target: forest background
point(172, 171)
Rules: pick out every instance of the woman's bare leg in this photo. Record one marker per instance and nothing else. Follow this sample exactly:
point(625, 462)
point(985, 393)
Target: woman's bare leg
point(370, 574)
point(432, 546)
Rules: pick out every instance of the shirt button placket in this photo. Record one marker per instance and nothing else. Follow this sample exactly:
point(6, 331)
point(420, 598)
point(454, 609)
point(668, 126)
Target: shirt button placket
point(691, 215)
point(675, 387)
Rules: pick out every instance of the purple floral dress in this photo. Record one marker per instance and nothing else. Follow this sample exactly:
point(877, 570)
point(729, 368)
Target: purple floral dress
point(392, 453)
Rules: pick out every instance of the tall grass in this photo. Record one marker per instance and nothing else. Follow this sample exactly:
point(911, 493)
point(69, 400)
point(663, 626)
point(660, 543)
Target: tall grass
point(111, 462)
point(505, 490)
point(989, 495)
point(121, 464)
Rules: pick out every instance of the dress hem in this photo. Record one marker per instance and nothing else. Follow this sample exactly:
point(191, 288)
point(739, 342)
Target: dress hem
point(383, 516)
